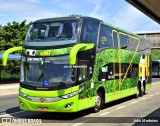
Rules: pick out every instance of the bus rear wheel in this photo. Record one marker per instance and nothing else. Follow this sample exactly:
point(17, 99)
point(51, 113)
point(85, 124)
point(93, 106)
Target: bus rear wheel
point(139, 91)
point(98, 102)
point(143, 90)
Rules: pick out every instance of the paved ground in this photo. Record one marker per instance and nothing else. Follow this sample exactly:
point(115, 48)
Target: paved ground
point(7, 89)
point(146, 106)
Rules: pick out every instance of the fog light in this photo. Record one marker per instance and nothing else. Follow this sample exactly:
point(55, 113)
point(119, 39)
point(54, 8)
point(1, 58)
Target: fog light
point(21, 104)
point(68, 105)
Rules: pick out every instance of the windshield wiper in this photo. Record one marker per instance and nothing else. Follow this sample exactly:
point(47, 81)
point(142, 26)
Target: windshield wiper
point(40, 77)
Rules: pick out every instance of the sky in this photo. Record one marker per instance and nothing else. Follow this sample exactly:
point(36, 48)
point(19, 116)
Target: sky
point(117, 12)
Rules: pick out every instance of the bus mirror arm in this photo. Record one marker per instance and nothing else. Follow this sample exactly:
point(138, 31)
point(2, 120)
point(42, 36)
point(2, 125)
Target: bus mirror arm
point(7, 52)
point(77, 48)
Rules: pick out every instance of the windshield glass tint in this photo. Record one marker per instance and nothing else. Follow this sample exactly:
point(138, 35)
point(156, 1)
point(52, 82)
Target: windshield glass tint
point(47, 72)
point(33, 70)
point(56, 71)
point(155, 67)
point(63, 30)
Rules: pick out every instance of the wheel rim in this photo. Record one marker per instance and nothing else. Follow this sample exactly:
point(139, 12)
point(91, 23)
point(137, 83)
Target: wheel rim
point(98, 102)
point(143, 90)
point(137, 92)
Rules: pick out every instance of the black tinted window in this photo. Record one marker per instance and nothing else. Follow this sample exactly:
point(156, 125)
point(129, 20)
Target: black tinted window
point(123, 40)
point(105, 37)
point(115, 39)
point(89, 31)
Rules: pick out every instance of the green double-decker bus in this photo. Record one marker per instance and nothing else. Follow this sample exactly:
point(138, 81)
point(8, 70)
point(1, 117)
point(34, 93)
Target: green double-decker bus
point(69, 64)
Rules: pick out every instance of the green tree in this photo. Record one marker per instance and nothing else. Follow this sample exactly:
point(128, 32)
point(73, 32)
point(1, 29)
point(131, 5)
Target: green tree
point(13, 35)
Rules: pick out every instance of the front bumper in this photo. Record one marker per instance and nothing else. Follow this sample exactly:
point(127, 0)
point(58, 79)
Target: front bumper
point(57, 106)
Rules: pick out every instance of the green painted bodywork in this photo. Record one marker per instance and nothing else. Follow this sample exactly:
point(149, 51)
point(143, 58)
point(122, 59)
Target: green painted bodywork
point(71, 51)
point(58, 106)
point(76, 49)
point(52, 52)
point(7, 52)
point(111, 86)
point(49, 94)
point(114, 89)
point(148, 86)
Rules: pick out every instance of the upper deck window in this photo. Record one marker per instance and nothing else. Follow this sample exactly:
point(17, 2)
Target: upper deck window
point(52, 31)
point(105, 37)
point(89, 32)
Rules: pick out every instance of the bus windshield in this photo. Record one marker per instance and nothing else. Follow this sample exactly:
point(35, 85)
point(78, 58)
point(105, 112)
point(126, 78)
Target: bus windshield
point(52, 31)
point(47, 72)
point(155, 67)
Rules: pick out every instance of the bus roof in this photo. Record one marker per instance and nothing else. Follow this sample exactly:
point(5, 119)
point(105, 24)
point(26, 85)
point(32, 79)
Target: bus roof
point(125, 31)
point(86, 17)
point(65, 18)
point(155, 60)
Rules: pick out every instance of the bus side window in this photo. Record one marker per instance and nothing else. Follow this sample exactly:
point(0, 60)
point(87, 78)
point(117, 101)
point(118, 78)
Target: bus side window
point(110, 71)
point(123, 69)
point(129, 71)
point(123, 40)
point(103, 73)
point(90, 31)
point(134, 71)
point(105, 37)
point(133, 44)
point(82, 71)
point(116, 74)
point(106, 72)
point(115, 39)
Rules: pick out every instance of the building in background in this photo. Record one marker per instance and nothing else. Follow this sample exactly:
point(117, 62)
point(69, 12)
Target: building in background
point(153, 37)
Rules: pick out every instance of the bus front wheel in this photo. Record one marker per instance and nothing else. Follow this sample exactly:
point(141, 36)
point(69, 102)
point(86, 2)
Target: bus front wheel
point(98, 102)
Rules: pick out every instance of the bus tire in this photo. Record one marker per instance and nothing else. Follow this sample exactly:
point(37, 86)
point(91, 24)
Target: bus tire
point(98, 102)
point(139, 92)
point(143, 88)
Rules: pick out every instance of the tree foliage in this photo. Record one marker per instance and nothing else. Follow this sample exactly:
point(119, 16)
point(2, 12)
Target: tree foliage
point(13, 35)
point(155, 54)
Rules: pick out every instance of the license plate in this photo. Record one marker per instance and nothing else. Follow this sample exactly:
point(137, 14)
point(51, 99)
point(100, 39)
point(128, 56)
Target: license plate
point(43, 108)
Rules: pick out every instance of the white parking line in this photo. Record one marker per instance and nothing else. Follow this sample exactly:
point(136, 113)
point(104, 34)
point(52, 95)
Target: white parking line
point(120, 107)
point(77, 124)
point(11, 113)
point(144, 98)
point(134, 102)
point(104, 113)
point(9, 87)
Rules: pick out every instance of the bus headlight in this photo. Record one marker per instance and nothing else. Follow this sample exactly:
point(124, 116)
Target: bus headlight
point(22, 95)
point(72, 94)
point(40, 99)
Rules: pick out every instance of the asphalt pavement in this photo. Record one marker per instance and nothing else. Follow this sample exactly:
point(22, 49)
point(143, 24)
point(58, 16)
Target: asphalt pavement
point(127, 111)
